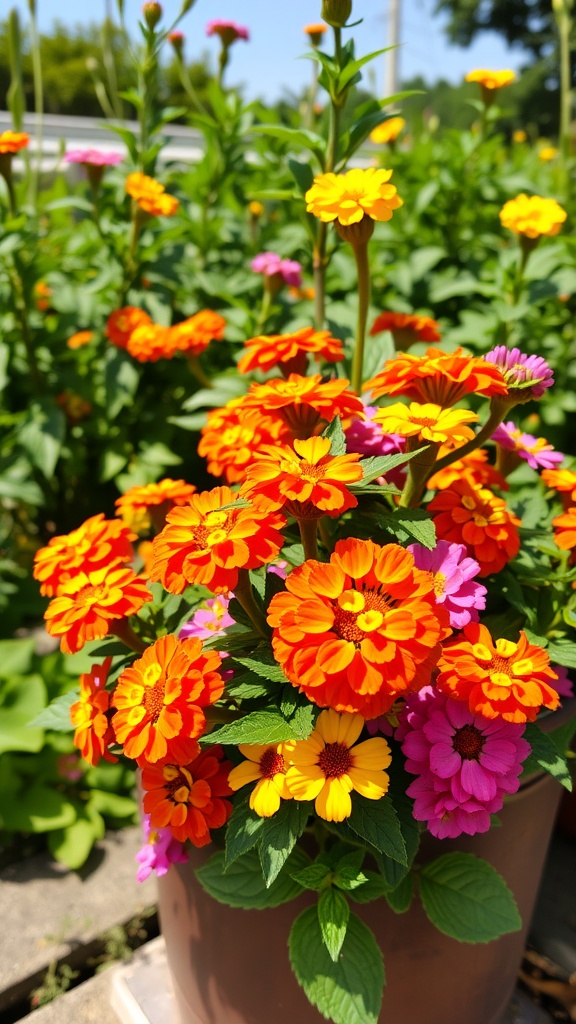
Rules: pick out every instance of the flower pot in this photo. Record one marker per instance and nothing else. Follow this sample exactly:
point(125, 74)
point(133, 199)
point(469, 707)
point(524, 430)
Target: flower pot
point(231, 966)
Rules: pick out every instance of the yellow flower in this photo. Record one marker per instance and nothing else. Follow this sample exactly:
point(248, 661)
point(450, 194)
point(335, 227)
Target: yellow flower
point(349, 197)
point(266, 765)
point(327, 766)
point(427, 421)
point(388, 131)
point(548, 153)
point(151, 195)
point(491, 79)
point(255, 208)
point(532, 216)
point(519, 135)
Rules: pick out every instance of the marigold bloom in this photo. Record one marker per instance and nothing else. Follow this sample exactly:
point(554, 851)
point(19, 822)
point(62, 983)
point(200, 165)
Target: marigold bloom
point(304, 480)
point(229, 31)
point(473, 516)
point(12, 142)
point(150, 195)
point(194, 335)
point(388, 131)
point(532, 216)
point(89, 715)
point(188, 799)
point(98, 543)
point(266, 765)
point(305, 403)
point(122, 322)
point(444, 378)
point(565, 530)
point(406, 328)
point(350, 197)
point(133, 506)
point(548, 153)
point(491, 79)
point(474, 467)
point(562, 480)
point(428, 422)
point(206, 543)
point(526, 377)
point(87, 604)
point(536, 451)
point(151, 342)
point(357, 632)
point(505, 680)
point(290, 351)
point(328, 765)
point(233, 434)
point(80, 339)
point(160, 700)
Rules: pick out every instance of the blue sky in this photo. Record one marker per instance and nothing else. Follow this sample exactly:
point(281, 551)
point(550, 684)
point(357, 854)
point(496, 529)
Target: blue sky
point(269, 62)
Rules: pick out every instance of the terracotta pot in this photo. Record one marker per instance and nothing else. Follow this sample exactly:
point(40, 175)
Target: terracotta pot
point(231, 966)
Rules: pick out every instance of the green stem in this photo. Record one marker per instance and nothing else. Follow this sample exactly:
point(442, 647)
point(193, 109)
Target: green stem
point(264, 309)
point(123, 630)
point(563, 22)
point(363, 267)
point(194, 364)
point(245, 596)
point(497, 414)
point(38, 101)
point(309, 536)
point(21, 309)
point(222, 64)
point(320, 260)
point(132, 263)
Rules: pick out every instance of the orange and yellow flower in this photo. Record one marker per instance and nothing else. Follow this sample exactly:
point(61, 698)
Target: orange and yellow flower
point(150, 195)
point(98, 544)
point(473, 516)
point(406, 328)
point(306, 404)
point(565, 530)
point(42, 293)
point(80, 339)
point(427, 422)
point(359, 631)
point(139, 506)
point(122, 322)
point(151, 342)
point(491, 79)
point(329, 765)
point(444, 378)
point(532, 216)
point(193, 335)
point(189, 799)
point(562, 480)
point(505, 680)
point(388, 131)
point(233, 434)
point(290, 351)
point(266, 765)
point(209, 540)
point(304, 480)
point(88, 604)
point(89, 716)
point(349, 197)
point(12, 142)
point(160, 700)
point(474, 467)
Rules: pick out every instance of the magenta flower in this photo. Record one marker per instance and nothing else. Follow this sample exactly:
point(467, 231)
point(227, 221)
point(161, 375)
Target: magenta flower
point(537, 452)
point(453, 573)
point(272, 265)
point(526, 375)
point(210, 620)
point(278, 568)
point(160, 850)
point(94, 157)
point(229, 31)
point(445, 817)
point(368, 438)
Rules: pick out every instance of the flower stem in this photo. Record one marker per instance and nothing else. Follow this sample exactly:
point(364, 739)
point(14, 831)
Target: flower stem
point(245, 596)
point(38, 101)
point(320, 260)
point(309, 536)
point(194, 364)
point(363, 267)
point(123, 630)
point(564, 25)
point(497, 413)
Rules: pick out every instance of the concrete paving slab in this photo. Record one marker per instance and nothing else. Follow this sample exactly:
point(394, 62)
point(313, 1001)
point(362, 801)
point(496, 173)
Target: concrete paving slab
point(89, 1003)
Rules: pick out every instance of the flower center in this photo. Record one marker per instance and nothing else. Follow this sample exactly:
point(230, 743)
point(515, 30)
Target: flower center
point(439, 583)
point(90, 594)
point(271, 764)
point(213, 530)
point(468, 742)
point(359, 612)
point(311, 472)
point(335, 760)
point(177, 783)
point(155, 691)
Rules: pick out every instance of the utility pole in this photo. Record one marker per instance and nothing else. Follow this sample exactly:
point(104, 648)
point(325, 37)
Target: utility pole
point(391, 70)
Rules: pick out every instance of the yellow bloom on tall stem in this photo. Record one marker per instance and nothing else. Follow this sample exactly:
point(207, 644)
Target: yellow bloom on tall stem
point(348, 197)
point(532, 216)
point(150, 195)
point(266, 765)
point(328, 766)
point(427, 422)
point(491, 80)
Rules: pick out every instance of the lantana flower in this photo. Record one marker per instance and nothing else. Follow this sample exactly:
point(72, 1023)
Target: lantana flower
point(90, 716)
point(453, 574)
point(189, 799)
point(443, 378)
point(88, 604)
point(151, 195)
point(532, 216)
point(266, 765)
point(563, 481)
point(349, 197)
point(474, 467)
point(97, 544)
point(536, 451)
point(290, 351)
point(159, 851)
point(473, 516)
point(527, 377)
point(150, 342)
point(427, 422)
point(139, 507)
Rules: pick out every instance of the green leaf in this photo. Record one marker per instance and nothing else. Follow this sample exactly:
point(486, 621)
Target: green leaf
point(36, 809)
point(121, 378)
point(263, 663)
point(316, 877)
point(16, 657)
point(302, 173)
point(349, 878)
point(242, 884)
point(379, 465)
point(335, 433)
point(57, 715)
point(547, 755)
point(409, 524)
point(257, 727)
point(351, 69)
point(374, 888)
point(42, 435)
point(242, 832)
point(466, 898)
point(71, 846)
point(279, 836)
point(400, 898)
point(376, 822)
point(20, 701)
point(294, 137)
point(563, 652)
point(333, 917)
point(346, 992)
point(112, 805)
point(249, 686)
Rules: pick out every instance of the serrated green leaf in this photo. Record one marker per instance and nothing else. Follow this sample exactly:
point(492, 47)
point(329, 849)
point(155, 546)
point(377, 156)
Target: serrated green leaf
point(242, 832)
point(400, 898)
point(374, 888)
point(242, 884)
point(57, 715)
point(333, 917)
point(256, 727)
point(376, 822)
point(315, 877)
point(263, 663)
point(349, 878)
point(409, 523)
point(379, 465)
point(562, 652)
point(279, 836)
point(335, 433)
point(547, 755)
point(466, 898)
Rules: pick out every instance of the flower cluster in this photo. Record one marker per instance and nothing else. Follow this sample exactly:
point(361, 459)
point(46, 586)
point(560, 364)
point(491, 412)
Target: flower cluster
point(150, 195)
point(132, 329)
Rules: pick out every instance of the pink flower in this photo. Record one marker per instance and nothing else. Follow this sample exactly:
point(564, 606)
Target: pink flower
point(535, 450)
point(270, 264)
point(210, 620)
point(278, 568)
point(453, 573)
point(160, 850)
point(529, 374)
point(368, 438)
point(229, 31)
point(94, 157)
point(445, 817)
point(563, 684)
point(69, 767)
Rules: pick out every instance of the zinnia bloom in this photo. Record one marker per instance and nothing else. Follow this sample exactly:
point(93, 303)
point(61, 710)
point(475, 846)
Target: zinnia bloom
point(548, 153)
point(330, 764)
point(229, 31)
point(206, 543)
point(491, 79)
point(12, 142)
point(474, 467)
point(473, 516)
point(209, 620)
point(306, 481)
point(350, 197)
point(151, 342)
point(505, 680)
point(233, 434)
point(287, 272)
point(562, 480)
point(565, 530)
point(188, 799)
point(90, 715)
point(527, 377)
point(315, 32)
point(80, 339)
point(532, 216)
point(443, 378)
point(74, 407)
point(94, 157)
point(388, 131)
point(306, 404)
point(406, 328)
point(159, 851)
point(88, 603)
point(536, 451)
point(98, 544)
point(290, 351)
point(266, 765)
point(193, 335)
point(428, 422)
point(122, 322)
point(357, 632)
point(150, 195)
point(140, 506)
point(453, 575)
point(161, 697)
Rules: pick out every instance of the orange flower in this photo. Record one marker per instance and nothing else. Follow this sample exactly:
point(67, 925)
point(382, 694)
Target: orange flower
point(491, 79)
point(160, 698)
point(12, 142)
point(89, 715)
point(209, 540)
point(477, 518)
point(188, 799)
point(565, 530)
point(80, 339)
point(150, 195)
point(151, 342)
point(87, 604)
point(406, 328)
point(562, 480)
point(498, 680)
point(440, 377)
point(305, 481)
point(305, 403)
point(290, 351)
point(233, 434)
point(426, 422)
point(357, 632)
point(74, 407)
point(474, 467)
point(98, 544)
point(193, 335)
point(122, 322)
point(42, 296)
point(388, 131)
point(133, 506)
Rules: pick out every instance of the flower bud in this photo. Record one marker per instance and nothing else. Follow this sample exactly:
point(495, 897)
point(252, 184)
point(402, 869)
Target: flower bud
point(357, 234)
point(152, 13)
point(177, 41)
point(336, 12)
